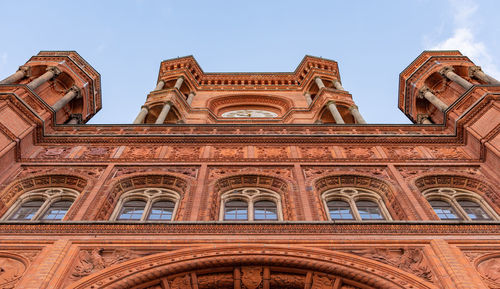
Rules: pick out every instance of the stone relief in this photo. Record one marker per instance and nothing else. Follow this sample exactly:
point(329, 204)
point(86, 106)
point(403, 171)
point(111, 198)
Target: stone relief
point(321, 282)
point(218, 172)
point(181, 282)
point(412, 171)
point(11, 271)
point(95, 153)
point(228, 152)
point(402, 153)
point(187, 171)
point(359, 153)
point(411, 260)
point(251, 277)
point(53, 152)
point(183, 153)
point(489, 270)
point(448, 153)
point(271, 152)
point(315, 152)
point(93, 260)
point(140, 152)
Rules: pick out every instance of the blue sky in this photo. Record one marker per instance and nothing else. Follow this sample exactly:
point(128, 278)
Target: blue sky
point(373, 41)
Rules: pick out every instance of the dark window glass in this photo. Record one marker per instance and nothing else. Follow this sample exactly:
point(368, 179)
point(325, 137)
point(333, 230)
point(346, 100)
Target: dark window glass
point(340, 210)
point(27, 211)
point(236, 211)
point(474, 210)
point(57, 210)
point(265, 210)
point(162, 210)
point(132, 210)
point(444, 210)
point(369, 210)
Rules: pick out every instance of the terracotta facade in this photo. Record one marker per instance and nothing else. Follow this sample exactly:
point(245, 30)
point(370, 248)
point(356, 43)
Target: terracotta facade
point(249, 180)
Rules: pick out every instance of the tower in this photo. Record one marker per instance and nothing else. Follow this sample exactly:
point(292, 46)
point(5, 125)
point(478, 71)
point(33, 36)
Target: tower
point(249, 180)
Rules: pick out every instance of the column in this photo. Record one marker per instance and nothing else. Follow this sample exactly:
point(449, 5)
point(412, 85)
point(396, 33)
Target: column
point(427, 94)
point(21, 73)
point(335, 112)
point(337, 84)
point(308, 97)
point(478, 73)
point(190, 97)
point(164, 112)
point(51, 73)
point(423, 119)
point(357, 116)
point(142, 115)
point(319, 82)
point(179, 82)
point(451, 75)
point(72, 93)
point(159, 85)
point(73, 120)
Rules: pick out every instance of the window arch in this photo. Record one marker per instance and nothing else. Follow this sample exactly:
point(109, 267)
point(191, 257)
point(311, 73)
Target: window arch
point(251, 204)
point(459, 204)
point(354, 204)
point(48, 204)
point(150, 204)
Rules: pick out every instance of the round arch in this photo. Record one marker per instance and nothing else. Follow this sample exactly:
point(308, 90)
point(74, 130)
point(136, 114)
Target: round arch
point(240, 263)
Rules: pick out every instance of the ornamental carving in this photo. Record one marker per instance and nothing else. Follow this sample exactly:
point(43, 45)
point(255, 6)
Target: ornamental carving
point(402, 153)
point(228, 152)
point(183, 170)
point(182, 282)
point(448, 153)
point(490, 271)
point(413, 171)
point(271, 152)
point(140, 152)
point(321, 282)
point(53, 152)
point(97, 153)
point(93, 260)
point(185, 153)
point(315, 152)
point(359, 153)
point(251, 277)
point(411, 260)
point(220, 172)
point(11, 271)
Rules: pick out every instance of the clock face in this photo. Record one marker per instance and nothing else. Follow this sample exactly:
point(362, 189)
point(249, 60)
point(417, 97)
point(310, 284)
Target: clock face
point(249, 113)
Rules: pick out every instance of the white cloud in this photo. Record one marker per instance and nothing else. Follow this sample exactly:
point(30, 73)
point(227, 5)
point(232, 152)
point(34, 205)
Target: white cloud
point(464, 37)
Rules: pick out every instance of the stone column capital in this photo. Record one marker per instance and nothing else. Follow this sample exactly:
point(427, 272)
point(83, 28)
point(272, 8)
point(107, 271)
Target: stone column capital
point(54, 70)
point(145, 107)
point(423, 91)
point(26, 70)
point(75, 89)
point(169, 102)
point(353, 107)
point(331, 102)
point(192, 92)
point(446, 69)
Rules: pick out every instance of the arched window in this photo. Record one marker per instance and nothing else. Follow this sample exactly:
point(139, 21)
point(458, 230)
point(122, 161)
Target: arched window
point(151, 204)
point(251, 204)
point(354, 204)
point(49, 204)
point(459, 204)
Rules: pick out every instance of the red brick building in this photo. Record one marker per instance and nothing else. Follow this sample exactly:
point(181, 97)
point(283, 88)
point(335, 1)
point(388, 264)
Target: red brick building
point(249, 180)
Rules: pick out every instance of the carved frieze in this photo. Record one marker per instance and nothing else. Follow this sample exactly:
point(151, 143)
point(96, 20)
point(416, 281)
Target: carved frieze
point(190, 171)
point(271, 152)
point(411, 260)
point(251, 277)
point(359, 153)
point(11, 271)
point(409, 172)
point(185, 153)
point(321, 282)
point(97, 153)
point(222, 171)
point(225, 152)
point(55, 152)
point(92, 260)
point(138, 153)
point(402, 153)
point(323, 152)
point(448, 152)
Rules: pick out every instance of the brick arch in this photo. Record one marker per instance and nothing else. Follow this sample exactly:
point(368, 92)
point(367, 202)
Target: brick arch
point(13, 191)
point(275, 103)
point(489, 192)
point(383, 188)
point(121, 185)
point(351, 269)
point(278, 185)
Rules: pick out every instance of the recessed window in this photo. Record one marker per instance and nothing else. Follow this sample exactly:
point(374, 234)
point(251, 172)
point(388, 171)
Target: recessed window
point(48, 204)
point(354, 204)
point(459, 204)
point(151, 204)
point(251, 204)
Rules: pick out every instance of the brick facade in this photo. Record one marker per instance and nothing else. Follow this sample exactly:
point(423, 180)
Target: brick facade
point(203, 139)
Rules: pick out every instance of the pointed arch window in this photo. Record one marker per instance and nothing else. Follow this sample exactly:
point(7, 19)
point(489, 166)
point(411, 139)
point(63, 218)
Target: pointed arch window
point(354, 204)
point(48, 204)
point(459, 204)
point(150, 204)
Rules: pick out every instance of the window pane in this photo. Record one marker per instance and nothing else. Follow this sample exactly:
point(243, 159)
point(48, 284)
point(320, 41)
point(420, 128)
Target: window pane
point(340, 210)
point(162, 210)
point(474, 210)
point(236, 210)
point(27, 211)
point(444, 210)
point(57, 210)
point(132, 210)
point(369, 210)
point(265, 210)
